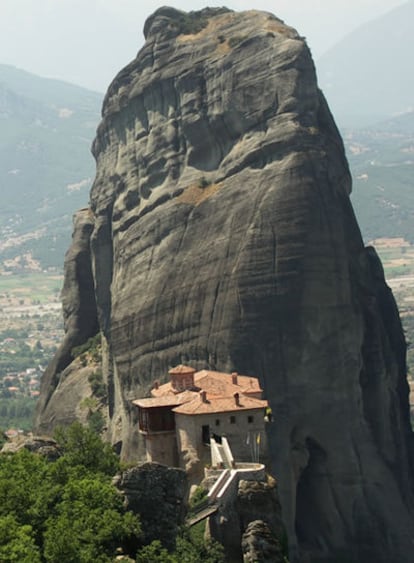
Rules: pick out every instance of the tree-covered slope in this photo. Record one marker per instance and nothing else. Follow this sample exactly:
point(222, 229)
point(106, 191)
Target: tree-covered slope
point(46, 128)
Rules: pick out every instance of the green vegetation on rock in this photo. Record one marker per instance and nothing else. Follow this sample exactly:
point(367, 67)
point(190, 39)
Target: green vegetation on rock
point(92, 348)
point(192, 23)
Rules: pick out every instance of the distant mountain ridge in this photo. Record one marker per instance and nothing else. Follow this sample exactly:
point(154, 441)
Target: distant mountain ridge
point(368, 81)
point(47, 126)
point(368, 76)
point(46, 129)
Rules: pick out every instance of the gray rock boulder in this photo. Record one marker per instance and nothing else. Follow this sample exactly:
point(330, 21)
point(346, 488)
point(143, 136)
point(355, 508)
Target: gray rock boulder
point(258, 500)
point(157, 493)
point(223, 237)
point(43, 446)
point(260, 545)
point(251, 502)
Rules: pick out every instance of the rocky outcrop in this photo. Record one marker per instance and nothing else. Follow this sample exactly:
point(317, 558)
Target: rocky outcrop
point(259, 545)
point(245, 502)
point(258, 500)
point(224, 238)
point(157, 493)
point(45, 447)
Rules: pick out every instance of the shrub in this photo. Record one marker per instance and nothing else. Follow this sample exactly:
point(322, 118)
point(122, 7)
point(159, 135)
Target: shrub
point(198, 497)
point(91, 346)
point(96, 422)
point(192, 23)
point(83, 447)
point(97, 384)
point(154, 553)
point(236, 40)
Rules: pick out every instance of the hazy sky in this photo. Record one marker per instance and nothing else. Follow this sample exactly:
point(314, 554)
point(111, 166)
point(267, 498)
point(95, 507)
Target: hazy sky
point(88, 41)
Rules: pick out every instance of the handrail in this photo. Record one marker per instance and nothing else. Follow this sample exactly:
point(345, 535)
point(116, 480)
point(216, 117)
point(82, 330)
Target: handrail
point(216, 488)
point(227, 452)
point(199, 515)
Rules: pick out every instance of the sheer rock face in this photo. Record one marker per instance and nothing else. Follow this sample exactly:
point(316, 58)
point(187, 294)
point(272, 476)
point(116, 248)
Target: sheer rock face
point(223, 237)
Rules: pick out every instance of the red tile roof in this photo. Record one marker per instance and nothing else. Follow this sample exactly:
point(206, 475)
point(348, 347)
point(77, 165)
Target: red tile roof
point(220, 389)
point(216, 383)
point(181, 369)
point(220, 383)
point(220, 404)
point(169, 399)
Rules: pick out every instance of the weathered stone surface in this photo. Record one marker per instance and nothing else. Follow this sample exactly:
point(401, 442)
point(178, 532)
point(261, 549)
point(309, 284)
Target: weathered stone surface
point(250, 501)
point(66, 404)
point(223, 237)
point(157, 493)
point(36, 444)
point(260, 545)
point(258, 500)
point(64, 386)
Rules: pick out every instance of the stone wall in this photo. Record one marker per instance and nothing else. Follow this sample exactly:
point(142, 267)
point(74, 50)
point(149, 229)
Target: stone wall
point(161, 447)
point(241, 434)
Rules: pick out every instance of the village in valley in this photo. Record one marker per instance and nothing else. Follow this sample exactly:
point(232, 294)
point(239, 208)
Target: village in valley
point(31, 329)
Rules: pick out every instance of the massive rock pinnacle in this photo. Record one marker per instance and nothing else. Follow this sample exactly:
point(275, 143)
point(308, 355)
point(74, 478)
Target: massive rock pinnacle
point(224, 238)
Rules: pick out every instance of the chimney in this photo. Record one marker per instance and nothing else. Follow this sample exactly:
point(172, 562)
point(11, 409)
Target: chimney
point(182, 377)
point(236, 398)
point(203, 396)
point(234, 378)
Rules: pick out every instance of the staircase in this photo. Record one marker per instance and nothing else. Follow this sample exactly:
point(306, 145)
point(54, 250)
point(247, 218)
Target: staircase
point(203, 511)
point(221, 454)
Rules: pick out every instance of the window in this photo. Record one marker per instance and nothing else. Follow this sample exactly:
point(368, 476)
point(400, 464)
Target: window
point(232, 420)
point(143, 420)
point(205, 434)
point(250, 419)
point(217, 422)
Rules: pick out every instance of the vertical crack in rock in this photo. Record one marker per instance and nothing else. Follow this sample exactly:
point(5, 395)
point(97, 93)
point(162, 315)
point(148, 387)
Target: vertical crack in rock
point(80, 320)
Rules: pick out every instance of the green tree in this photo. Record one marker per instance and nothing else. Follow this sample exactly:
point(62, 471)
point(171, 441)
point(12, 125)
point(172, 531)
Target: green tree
point(83, 447)
point(17, 543)
point(90, 523)
point(68, 511)
point(192, 548)
point(154, 553)
point(96, 422)
point(26, 492)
